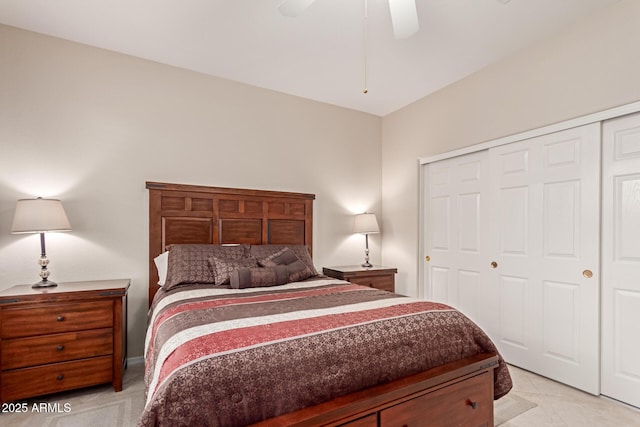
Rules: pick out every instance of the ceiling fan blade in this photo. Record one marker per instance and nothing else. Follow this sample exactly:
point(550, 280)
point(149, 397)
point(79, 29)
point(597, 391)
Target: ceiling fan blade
point(404, 17)
point(294, 8)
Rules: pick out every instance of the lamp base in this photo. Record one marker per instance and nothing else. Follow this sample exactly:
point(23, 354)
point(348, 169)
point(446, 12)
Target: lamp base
point(44, 284)
point(367, 265)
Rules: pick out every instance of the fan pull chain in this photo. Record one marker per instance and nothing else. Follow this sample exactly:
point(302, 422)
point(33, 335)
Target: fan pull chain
point(366, 45)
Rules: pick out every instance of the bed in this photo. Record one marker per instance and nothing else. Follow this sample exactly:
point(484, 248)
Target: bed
point(252, 335)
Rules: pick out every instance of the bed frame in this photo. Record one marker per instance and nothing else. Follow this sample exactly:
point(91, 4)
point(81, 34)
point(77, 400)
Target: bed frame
point(459, 393)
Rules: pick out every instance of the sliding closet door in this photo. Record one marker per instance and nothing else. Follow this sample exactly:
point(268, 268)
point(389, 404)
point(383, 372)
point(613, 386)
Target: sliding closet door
point(545, 224)
point(456, 247)
point(621, 259)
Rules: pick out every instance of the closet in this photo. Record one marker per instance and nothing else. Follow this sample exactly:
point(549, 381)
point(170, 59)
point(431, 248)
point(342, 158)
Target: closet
point(538, 241)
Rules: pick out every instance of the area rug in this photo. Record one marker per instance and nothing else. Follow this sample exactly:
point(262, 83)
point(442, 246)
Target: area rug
point(509, 407)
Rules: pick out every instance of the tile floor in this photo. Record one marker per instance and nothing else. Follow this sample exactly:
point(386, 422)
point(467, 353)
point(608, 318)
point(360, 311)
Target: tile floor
point(562, 406)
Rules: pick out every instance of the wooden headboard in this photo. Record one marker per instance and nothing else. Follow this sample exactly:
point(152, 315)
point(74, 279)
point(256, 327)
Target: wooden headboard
point(213, 215)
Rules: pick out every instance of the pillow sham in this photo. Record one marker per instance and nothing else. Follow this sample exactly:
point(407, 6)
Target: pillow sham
point(224, 267)
point(261, 252)
point(255, 277)
point(189, 263)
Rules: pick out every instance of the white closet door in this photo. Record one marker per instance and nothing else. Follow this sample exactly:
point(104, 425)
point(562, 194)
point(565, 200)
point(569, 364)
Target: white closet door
point(621, 259)
point(546, 237)
point(456, 245)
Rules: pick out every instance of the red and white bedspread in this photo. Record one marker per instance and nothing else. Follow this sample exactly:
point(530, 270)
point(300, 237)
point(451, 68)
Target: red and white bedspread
point(229, 357)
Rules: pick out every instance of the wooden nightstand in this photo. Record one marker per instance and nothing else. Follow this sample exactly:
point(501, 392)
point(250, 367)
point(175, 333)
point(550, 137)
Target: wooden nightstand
point(70, 336)
point(375, 277)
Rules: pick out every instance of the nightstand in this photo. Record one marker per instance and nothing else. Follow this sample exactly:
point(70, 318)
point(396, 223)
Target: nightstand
point(70, 336)
point(376, 277)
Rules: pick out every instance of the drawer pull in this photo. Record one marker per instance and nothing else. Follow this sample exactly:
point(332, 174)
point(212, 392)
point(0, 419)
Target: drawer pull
point(60, 348)
point(59, 377)
point(473, 404)
point(60, 318)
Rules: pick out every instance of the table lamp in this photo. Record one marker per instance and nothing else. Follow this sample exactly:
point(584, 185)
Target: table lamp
point(366, 224)
point(40, 216)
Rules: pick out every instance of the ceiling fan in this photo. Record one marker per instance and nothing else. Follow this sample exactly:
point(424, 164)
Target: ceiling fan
point(404, 16)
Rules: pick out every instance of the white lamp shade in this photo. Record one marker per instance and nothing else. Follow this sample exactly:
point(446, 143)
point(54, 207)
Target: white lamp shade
point(365, 223)
point(39, 215)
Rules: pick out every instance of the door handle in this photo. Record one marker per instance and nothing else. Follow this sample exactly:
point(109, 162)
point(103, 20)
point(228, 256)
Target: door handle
point(427, 258)
point(588, 274)
point(494, 264)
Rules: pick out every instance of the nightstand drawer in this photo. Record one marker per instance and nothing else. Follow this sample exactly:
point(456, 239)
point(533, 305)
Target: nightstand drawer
point(23, 352)
point(21, 383)
point(55, 318)
point(385, 283)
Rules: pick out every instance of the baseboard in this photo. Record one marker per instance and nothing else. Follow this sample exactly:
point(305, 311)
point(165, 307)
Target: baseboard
point(135, 360)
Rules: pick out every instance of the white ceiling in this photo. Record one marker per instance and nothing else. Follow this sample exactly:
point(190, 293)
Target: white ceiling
point(318, 55)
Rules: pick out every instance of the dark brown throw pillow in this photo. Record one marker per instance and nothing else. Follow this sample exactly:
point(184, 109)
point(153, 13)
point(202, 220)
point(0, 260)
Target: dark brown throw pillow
point(224, 267)
point(254, 277)
point(261, 252)
point(284, 256)
point(298, 271)
point(189, 263)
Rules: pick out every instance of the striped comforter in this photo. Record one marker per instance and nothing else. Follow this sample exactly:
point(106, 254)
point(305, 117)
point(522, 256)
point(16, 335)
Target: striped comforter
point(228, 357)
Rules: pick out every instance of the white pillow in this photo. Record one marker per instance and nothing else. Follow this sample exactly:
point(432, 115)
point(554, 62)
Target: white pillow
point(162, 264)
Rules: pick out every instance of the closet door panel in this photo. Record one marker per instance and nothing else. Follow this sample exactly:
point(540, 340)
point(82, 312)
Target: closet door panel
point(470, 289)
point(515, 169)
point(456, 234)
point(561, 337)
point(625, 309)
point(440, 285)
point(469, 221)
point(627, 218)
point(547, 199)
point(621, 259)
point(514, 221)
point(561, 224)
point(440, 215)
point(513, 308)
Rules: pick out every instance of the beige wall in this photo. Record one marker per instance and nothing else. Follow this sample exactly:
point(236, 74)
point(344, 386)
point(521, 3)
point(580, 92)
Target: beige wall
point(90, 126)
point(592, 66)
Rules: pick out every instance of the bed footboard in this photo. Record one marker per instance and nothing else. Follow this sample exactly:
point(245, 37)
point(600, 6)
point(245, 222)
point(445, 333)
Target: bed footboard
point(458, 393)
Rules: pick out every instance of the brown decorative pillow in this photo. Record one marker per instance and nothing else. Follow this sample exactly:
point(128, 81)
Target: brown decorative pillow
point(261, 252)
point(298, 271)
point(284, 256)
point(254, 277)
point(223, 267)
point(189, 263)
